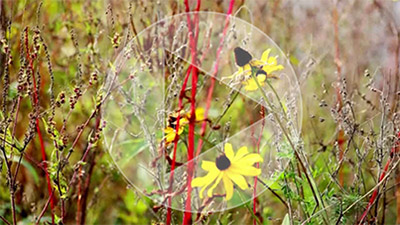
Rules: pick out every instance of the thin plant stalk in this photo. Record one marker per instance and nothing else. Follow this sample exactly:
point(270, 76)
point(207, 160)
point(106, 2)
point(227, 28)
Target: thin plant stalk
point(310, 180)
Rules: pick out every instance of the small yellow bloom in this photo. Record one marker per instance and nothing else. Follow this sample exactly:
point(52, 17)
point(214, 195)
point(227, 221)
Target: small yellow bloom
point(229, 168)
point(264, 69)
point(170, 130)
point(199, 114)
point(170, 133)
point(251, 85)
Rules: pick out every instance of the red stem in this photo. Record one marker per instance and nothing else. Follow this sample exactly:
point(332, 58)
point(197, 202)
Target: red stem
point(187, 218)
point(45, 208)
point(42, 149)
point(375, 193)
point(171, 175)
point(212, 84)
point(339, 101)
point(258, 166)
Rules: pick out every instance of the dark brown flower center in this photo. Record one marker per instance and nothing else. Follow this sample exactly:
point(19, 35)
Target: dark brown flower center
point(222, 162)
point(261, 72)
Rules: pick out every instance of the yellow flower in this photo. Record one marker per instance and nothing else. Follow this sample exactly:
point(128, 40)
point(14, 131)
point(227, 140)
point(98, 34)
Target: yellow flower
point(229, 168)
point(199, 114)
point(264, 69)
point(170, 133)
point(170, 130)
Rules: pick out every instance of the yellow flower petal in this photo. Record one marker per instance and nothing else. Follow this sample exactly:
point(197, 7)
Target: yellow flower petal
point(249, 159)
point(246, 67)
point(209, 192)
point(241, 165)
point(168, 130)
point(199, 114)
point(251, 85)
point(170, 133)
point(272, 61)
point(183, 121)
point(256, 63)
point(228, 185)
point(270, 69)
point(205, 181)
point(198, 182)
point(244, 170)
point(265, 55)
point(170, 137)
point(268, 64)
point(208, 165)
point(261, 78)
point(237, 179)
point(241, 152)
point(229, 151)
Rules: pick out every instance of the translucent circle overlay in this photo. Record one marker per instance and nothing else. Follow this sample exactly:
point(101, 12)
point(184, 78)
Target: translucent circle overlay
point(143, 90)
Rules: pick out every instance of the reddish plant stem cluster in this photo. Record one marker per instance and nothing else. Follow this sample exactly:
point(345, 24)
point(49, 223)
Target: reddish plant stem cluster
point(171, 175)
point(35, 102)
point(187, 219)
point(81, 203)
point(194, 71)
point(374, 195)
point(213, 75)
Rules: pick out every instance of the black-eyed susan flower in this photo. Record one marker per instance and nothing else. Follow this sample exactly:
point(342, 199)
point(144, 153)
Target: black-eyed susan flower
point(170, 130)
point(262, 68)
point(229, 168)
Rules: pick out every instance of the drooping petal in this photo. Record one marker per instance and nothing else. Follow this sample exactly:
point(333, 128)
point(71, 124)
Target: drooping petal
point(237, 179)
point(229, 151)
point(265, 55)
point(168, 130)
point(169, 134)
point(241, 152)
point(244, 170)
point(205, 181)
point(228, 185)
point(170, 137)
point(249, 160)
point(251, 85)
point(210, 190)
